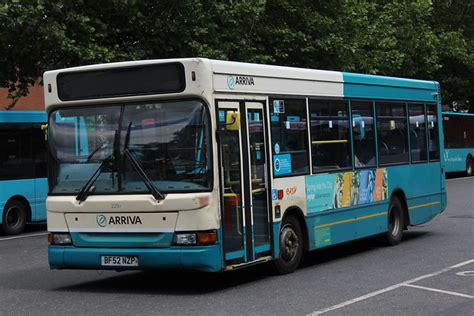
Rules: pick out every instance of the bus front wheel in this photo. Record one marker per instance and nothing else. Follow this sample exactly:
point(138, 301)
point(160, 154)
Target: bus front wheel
point(395, 223)
point(469, 166)
point(13, 218)
point(291, 246)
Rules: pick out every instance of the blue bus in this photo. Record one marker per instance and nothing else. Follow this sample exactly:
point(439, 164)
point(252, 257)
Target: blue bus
point(459, 142)
point(215, 165)
point(23, 170)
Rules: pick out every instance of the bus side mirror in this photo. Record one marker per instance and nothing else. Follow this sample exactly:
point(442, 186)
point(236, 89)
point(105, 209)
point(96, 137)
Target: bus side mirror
point(232, 121)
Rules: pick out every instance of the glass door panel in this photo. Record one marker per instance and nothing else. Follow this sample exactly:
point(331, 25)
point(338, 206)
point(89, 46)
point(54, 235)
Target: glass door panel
point(231, 183)
point(258, 177)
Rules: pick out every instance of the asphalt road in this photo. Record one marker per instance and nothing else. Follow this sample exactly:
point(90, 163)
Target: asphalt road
point(430, 273)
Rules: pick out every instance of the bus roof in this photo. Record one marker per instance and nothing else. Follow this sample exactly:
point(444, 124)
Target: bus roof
point(279, 80)
point(23, 117)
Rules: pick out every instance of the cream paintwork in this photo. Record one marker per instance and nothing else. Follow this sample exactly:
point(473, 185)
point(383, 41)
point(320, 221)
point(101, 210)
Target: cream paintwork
point(193, 211)
point(210, 84)
point(199, 88)
point(211, 76)
point(266, 85)
point(150, 223)
point(126, 203)
point(56, 222)
point(297, 199)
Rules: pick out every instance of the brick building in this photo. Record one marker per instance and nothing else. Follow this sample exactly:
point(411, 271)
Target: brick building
point(34, 100)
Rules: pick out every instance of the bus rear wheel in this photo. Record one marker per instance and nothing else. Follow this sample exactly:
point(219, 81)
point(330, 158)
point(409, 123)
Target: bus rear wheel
point(291, 246)
point(469, 166)
point(395, 223)
point(14, 218)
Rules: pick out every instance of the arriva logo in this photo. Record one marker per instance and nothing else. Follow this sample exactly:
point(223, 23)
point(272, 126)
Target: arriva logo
point(101, 220)
point(231, 82)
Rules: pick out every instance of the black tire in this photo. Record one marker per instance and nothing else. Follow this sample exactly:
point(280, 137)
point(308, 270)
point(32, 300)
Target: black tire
point(395, 223)
point(13, 218)
point(291, 246)
point(469, 166)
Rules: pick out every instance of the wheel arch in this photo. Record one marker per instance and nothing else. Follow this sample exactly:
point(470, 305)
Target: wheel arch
point(26, 204)
point(299, 215)
point(400, 194)
point(469, 159)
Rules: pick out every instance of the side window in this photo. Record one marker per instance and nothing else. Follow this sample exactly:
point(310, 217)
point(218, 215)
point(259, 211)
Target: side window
point(363, 134)
point(468, 131)
point(418, 144)
point(392, 133)
point(453, 132)
point(10, 151)
point(330, 135)
point(16, 161)
point(433, 134)
point(289, 136)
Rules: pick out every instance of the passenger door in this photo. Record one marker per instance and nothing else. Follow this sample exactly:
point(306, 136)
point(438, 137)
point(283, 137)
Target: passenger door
point(244, 180)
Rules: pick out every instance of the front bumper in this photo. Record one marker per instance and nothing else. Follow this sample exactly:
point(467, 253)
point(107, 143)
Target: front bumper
point(200, 258)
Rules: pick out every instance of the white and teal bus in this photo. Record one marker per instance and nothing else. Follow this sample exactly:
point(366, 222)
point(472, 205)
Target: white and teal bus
point(458, 130)
point(214, 165)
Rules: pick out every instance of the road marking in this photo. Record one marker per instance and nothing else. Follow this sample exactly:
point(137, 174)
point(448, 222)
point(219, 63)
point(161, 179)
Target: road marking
point(459, 179)
point(439, 291)
point(23, 236)
point(387, 289)
point(465, 273)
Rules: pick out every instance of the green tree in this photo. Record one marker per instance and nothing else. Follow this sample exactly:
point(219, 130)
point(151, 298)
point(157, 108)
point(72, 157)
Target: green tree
point(50, 34)
point(454, 25)
point(418, 39)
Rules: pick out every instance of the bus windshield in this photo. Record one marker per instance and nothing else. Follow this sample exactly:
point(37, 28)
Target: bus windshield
point(167, 140)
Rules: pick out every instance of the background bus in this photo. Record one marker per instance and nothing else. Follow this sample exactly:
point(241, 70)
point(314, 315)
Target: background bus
point(215, 165)
point(23, 170)
point(459, 142)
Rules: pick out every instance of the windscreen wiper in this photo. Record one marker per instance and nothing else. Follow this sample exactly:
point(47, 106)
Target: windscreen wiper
point(138, 168)
point(148, 183)
point(107, 163)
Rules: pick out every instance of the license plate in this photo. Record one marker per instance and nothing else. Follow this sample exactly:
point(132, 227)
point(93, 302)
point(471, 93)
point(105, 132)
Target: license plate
point(120, 261)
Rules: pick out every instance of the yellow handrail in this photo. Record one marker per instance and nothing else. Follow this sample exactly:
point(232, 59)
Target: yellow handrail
point(336, 141)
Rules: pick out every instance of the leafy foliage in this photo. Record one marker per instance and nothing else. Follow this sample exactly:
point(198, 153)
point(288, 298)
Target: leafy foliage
point(427, 39)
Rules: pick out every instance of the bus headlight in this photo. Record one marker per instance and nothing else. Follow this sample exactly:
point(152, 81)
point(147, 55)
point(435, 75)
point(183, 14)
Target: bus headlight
point(196, 238)
point(186, 239)
point(59, 239)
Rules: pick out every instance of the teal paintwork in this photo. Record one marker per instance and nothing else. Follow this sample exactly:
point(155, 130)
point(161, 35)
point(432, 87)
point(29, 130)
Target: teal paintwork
point(234, 255)
point(23, 117)
point(338, 226)
point(276, 240)
point(32, 190)
point(456, 158)
point(142, 240)
point(380, 87)
point(424, 198)
point(39, 204)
